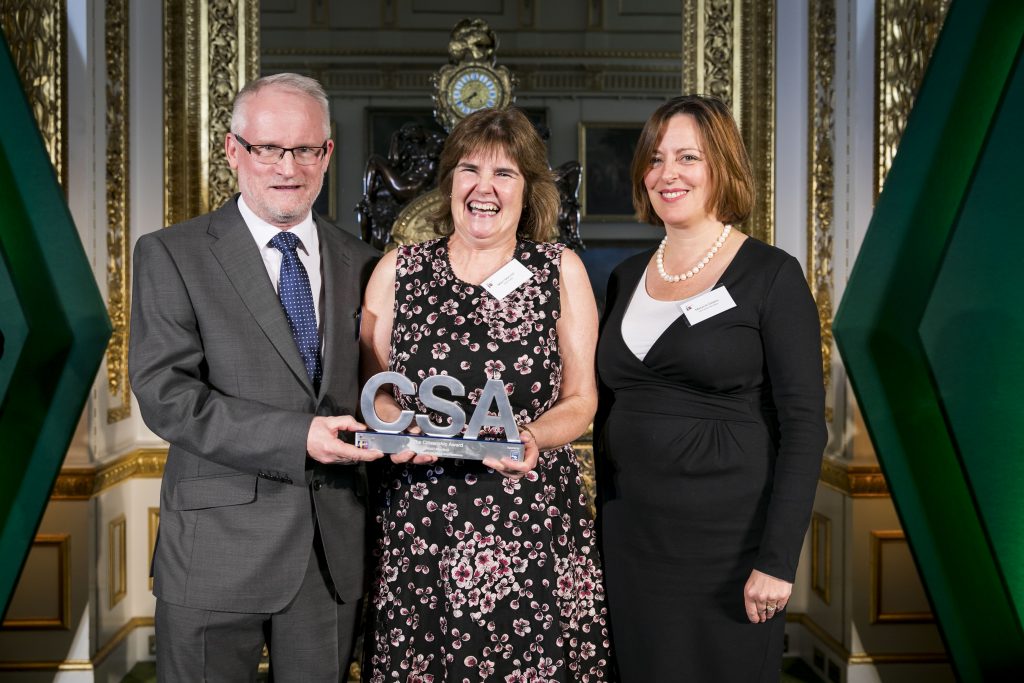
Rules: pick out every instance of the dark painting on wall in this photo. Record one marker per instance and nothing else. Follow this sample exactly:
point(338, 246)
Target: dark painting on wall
point(606, 152)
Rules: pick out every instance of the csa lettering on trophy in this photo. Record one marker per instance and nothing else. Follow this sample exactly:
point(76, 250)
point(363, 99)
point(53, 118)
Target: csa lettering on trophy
point(440, 440)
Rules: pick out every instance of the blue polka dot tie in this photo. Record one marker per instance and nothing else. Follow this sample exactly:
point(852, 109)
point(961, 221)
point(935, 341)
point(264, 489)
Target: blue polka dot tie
point(297, 300)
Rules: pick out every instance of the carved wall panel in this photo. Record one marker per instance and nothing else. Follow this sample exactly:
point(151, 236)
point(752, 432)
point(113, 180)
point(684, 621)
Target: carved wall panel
point(118, 230)
point(36, 33)
point(211, 49)
point(729, 52)
point(821, 171)
point(906, 31)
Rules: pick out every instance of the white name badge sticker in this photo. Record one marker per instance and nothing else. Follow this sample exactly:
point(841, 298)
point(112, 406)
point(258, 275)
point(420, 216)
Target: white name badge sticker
point(507, 278)
point(707, 305)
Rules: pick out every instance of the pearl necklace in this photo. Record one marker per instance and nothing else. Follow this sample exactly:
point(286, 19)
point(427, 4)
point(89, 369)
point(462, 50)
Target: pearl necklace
point(660, 258)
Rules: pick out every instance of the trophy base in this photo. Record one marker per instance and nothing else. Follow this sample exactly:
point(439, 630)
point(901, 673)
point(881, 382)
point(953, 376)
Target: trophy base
point(463, 449)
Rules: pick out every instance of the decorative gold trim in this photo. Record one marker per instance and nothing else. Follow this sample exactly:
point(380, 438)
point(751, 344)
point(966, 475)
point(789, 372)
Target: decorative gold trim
point(821, 179)
point(250, 48)
point(531, 78)
point(729, 52)
point(877, 615)
point(62, 620)
point(36, 33)
point(117, 560)
point(210, 49)
point(118, 231)
point(436, 54)
point(756, 82)
point(117, 638)
point(905, 35)
point(821, 545)
point(154, 528)
point(82, 664)
point(65, 665)
point(225, 27)
point(823, 636)
point(181, 110)
point(857, 481)
point(80, 483)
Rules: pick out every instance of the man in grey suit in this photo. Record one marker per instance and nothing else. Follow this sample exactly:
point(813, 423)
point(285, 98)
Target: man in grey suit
point(244, 357)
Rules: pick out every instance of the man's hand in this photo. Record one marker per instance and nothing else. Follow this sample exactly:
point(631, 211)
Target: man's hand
point(323, 444)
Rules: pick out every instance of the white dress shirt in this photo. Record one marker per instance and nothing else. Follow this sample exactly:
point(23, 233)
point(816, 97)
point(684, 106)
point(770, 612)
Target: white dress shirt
point(309, 252)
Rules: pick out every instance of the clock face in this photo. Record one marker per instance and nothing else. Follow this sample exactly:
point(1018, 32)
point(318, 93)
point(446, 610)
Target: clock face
point(472, 89)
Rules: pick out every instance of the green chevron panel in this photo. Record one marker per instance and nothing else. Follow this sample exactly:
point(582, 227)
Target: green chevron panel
point(54, 323)
point(14, 329)
point(877, 332)
point(973, 333)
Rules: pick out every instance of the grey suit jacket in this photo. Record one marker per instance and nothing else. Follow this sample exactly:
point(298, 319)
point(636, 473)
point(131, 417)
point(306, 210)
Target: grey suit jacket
point(217, 374)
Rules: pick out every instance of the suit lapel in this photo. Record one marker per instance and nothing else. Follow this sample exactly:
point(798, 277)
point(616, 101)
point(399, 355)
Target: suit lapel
point(341, 297)
point(240, 258)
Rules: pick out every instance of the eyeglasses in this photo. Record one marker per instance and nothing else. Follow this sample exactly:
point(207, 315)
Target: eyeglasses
point(271, 154)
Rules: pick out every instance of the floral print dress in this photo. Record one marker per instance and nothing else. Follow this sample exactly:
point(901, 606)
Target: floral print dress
point(481, 577)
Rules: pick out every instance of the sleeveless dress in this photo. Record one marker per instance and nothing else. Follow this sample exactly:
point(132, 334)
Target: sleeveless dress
point(482, 577)
point(710, 450)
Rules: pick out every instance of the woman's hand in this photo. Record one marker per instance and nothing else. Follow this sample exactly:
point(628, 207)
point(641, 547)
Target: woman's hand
point(765, 596)
point(515, 469)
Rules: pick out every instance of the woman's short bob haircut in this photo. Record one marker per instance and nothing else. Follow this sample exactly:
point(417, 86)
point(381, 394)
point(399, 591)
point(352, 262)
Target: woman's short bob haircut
point(731, 196)
point(508, 131)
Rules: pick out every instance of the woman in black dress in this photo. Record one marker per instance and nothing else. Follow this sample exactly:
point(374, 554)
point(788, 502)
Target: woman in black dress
point(711, 426)
point(488, 571)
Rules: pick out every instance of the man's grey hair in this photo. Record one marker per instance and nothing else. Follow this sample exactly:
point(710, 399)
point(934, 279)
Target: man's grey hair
point(304, 85)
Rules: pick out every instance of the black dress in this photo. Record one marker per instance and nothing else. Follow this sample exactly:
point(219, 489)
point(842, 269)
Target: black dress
point(710, 451)
point(482, 577)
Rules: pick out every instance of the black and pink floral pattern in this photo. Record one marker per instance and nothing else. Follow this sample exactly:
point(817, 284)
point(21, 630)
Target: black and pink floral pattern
point(482, 577)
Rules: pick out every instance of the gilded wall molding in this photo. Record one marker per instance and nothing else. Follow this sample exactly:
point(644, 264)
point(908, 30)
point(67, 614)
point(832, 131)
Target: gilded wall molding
point(36, 32)
point(82, 664)
point(61, 621)
point(79, 483)
point(844, 654)
point(877, 612)
point(821, 175)
point(118, 230)
point(905, 34)
point(856, 481)
point(210, 50)
point(117, 560)
point(729, 52)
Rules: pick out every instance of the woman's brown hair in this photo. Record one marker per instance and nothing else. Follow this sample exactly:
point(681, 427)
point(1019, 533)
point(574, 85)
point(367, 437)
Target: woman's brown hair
point(509, 131)
point(731, 196)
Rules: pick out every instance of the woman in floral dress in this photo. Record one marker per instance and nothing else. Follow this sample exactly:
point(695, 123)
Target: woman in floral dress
point(488, 571)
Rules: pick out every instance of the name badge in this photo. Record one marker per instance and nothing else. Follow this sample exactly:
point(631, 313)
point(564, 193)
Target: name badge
point(507, 278)
point(707, 305)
